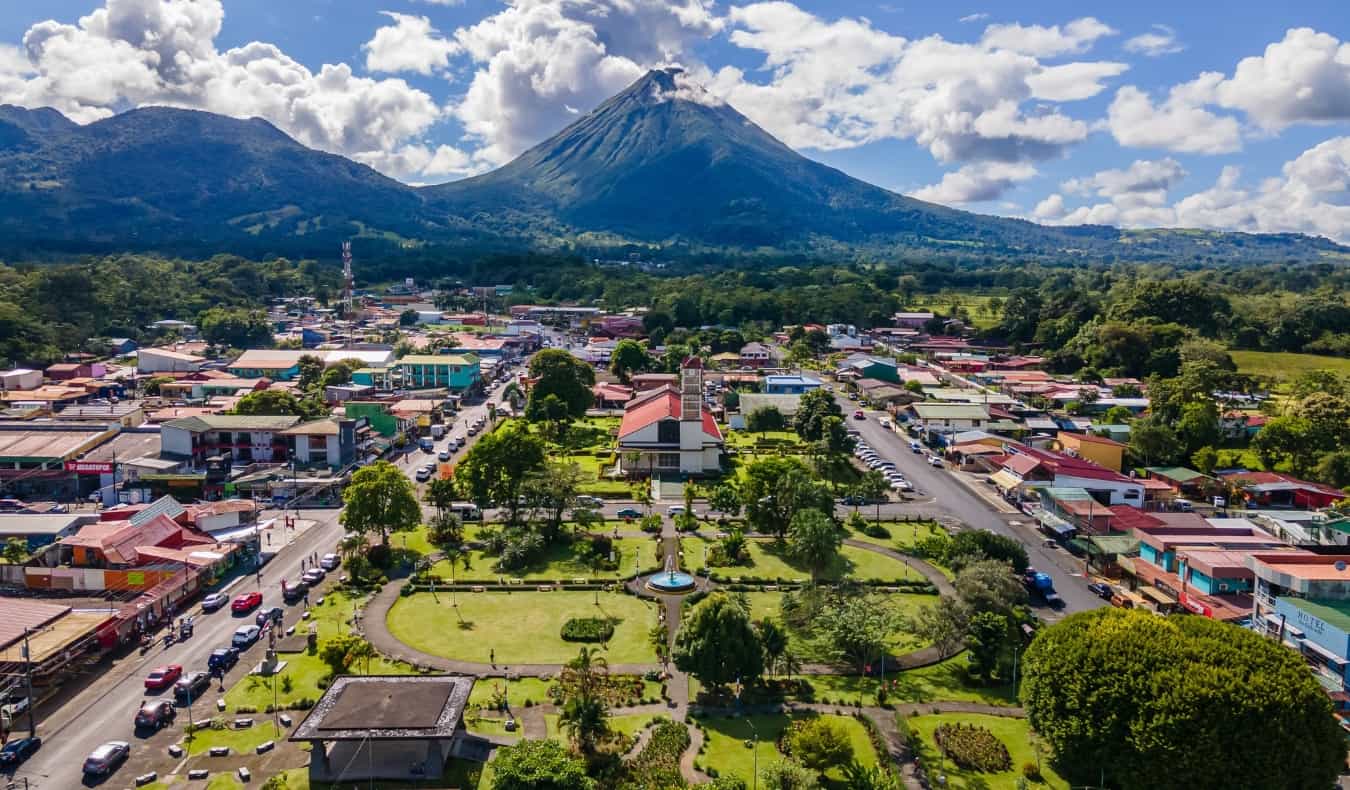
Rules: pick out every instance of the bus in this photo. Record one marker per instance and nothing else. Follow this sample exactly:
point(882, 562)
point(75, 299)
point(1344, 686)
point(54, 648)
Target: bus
point(467, 511)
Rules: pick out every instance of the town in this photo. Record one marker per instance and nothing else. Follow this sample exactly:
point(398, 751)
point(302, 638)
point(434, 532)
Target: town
point(450, 537)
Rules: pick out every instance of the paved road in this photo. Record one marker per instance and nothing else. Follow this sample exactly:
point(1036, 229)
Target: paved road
point(953, 497)
point(104, 711)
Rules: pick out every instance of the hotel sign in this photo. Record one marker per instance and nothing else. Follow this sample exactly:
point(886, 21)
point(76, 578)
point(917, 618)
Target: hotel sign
point(1310, 623)
point(89, 467)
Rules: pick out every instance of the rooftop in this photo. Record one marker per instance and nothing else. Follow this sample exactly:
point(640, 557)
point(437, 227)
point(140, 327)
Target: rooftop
point(1334, 613)
point(438, 359)
point(356, 707)
point(234, 422)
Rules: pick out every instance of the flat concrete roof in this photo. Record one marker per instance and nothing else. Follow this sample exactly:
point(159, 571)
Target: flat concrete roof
point(387, 707)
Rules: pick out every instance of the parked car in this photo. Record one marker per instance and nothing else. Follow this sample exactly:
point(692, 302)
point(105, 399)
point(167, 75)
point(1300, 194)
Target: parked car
point(246, 602)
point(313, 576)
point(675, 510)
point(191, 686)
point(590, 501)
point(330, 562)
point(1102, 591)
point(162, 677)
point(245, 636)
point(222, 659)
point(18, 750)
point(293, 591)
point(105, 759)
point(423, 475)
point(155, 715)
point(214, 601)
point(934, 460)
point(275, 615)
point(883, 422)
point(915, 447)
point(858, 415)
point(629, 512)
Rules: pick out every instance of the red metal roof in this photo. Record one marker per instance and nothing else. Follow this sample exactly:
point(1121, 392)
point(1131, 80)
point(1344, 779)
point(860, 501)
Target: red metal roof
point(660, 405)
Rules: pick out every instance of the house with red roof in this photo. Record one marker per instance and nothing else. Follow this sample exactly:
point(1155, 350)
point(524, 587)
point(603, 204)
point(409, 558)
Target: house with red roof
point(670, 430)
point(1276, 489)
point(1028, 467)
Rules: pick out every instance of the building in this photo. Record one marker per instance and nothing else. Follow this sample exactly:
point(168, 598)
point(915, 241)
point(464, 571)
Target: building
point(55, 634)
point(947, 418)
point(649, 381)
point(786, 405)
point(20, 379)
point(1276, 489)
point(611, 396)
point(165, 360)
point(866, 367)
point(912, 320)
point(379, 416)
point(401, 728)
point(1026, 468)
point(242, 438)
point(757, 355)
point(1303, 600)
point(457, 372)
point(284, 364)
point(1097, 449)
point(670, 431)
point(33, 457)
point(1182, 481)
point(328, 442)
point(795, 384)
point(65, 371)
point(41, 529)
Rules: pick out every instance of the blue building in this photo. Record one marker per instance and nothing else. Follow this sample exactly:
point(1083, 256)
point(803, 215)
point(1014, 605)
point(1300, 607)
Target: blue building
point(1320, 630)
point(790, 384)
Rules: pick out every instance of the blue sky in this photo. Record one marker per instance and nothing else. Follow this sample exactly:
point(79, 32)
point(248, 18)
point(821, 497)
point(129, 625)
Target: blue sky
point(1229, 115)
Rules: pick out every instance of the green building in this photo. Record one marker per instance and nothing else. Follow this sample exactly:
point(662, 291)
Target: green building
point(377, 416)
point(458, 372)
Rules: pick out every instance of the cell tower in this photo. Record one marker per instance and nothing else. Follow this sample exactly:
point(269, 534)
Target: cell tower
point(347, 280)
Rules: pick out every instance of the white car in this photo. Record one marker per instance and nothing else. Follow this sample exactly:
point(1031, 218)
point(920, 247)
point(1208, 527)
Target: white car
point(901, 485)
point(933, 460)
point(675, 510)
point(330, 562)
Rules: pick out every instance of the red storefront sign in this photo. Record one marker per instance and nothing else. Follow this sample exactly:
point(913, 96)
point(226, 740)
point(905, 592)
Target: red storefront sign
point(89, 467)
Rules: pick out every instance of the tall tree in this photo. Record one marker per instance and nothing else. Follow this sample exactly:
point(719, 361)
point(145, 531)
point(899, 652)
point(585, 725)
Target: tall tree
point(814, 540)
point(765, 419)
point(379, 500)
point(628, 357)
point(812, 410)
point(776, 488)
point(718, 644)
point(311, 368)
point(538, 765)
point(1239, 710)
point(556, 372)
point(497, 466)
point(858, 627)
point(235, 327)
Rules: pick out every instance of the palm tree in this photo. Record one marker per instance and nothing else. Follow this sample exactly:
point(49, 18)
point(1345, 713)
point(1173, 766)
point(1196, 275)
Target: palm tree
point(585, 720)
point(642, 492)
point(773, 641)
point(362, 651)
point(585, 675)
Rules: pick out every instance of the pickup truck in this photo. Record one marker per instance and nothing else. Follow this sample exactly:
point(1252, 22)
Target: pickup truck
point(1042, 585)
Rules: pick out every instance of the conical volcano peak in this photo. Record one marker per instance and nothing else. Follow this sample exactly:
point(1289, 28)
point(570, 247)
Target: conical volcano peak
point(671, 83)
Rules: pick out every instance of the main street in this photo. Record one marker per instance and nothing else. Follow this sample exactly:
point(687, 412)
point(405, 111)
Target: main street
point(103, 711)
point(950, 496)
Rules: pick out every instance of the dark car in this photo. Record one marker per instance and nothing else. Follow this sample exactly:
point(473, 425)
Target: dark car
point(295, 590)
point(105, 759)
point(192, 686)
point(275, 615)
point(1100, 590)
point(223, 658)
point(17, 751)
point(155, 715)
point(629, 512)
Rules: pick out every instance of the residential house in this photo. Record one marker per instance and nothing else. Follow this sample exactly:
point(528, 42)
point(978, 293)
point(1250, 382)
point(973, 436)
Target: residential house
point(912, 320)
point(611, 396)
point(757, 355)
point(121, 346)
point(786, 405)
point(943, 419)
point(65, 371)
point(1184, 482)
point(1027, 468)
point(1099, 450)
point(20, 379)
point(670, 431)
point(1279, 490)
point(795, 384)
point(648, 381)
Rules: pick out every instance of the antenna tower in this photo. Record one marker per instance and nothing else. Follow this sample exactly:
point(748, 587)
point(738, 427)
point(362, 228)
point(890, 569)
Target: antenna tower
point(347, 279)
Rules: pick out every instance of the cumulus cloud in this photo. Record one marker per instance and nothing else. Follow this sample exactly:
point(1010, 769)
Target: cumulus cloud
point(1161, 40)
point(137, 52)
point(538, 61)
point(1304, 77)
point(1075, 37)
point(843, 83)
point(1311, 195)
point(1178, 123)
point(976, 183)
point(409, 44)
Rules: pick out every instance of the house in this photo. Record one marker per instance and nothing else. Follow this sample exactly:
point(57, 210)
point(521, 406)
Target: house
point(757, 355)
point(786, 405)
point(327, 442)
point(668, 430)
point(1182, 481)
point(457, 372)
point(1276, 489)
point(621, 326)
point(242, 438)
point(65, 371)
point(20, 379)
point(121, 346)
point(284, 364)
point(862, 366)
point(611, 396)
point(881, 393)
point(912, 320)
point(1026, 468)
point(949, 418)
point(166, 360)
point(1097, 449)
point(379, 416)
point(648, 381)
point(41, 529)
point(796, 384)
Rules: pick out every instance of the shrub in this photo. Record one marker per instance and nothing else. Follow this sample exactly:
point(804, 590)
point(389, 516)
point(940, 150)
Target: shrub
point(876, 531)
point(587, 629)
point(380, 555)
point(974, 748)
point(1031, 771)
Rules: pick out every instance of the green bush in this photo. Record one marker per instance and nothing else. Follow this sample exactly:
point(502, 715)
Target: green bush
point(974, 748)
point(587, 629)
point(1031, 771)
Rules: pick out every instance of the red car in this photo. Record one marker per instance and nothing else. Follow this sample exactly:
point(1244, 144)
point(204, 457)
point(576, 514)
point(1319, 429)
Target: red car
point(163, 677)
point(246, 602)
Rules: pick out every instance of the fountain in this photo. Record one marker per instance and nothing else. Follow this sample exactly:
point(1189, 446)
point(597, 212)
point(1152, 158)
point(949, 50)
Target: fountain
point(671, 580)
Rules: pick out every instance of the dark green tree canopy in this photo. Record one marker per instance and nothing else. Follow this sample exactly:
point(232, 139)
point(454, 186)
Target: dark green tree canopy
point(1178, 702)
point(538, 765)
point(558, 373)
point(718, 644)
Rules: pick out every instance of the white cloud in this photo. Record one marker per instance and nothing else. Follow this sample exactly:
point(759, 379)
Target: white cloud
point(1305, 77)
point(976, 183)
point(1312, 195)
point(537, 60)
point(980, 17)
point(137, 52)
point(1161, 40)
point(1180, 123)
point(1075, 37)
point(843, 83)
point(410, 44)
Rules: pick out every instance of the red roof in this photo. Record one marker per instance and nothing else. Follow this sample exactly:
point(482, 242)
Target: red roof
point(659, 405)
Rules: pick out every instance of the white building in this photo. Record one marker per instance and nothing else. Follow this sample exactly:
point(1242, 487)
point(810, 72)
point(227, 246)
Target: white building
point(163, 360)
point(670, 431)
point(20, 379)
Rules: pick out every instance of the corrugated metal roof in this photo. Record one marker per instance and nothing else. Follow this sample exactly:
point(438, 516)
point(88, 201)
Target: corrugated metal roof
point(165, 505)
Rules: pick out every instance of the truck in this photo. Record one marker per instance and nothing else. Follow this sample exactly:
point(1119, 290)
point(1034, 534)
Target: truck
point(437, 432)
point(1041, 584)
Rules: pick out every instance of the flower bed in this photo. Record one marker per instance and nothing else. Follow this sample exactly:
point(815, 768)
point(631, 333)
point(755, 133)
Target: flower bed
point(973, 747)
point(587, 629)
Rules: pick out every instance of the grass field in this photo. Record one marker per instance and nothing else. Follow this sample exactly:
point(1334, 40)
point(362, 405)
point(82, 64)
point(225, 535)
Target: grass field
point(941, 682)
point(975, 304)
point(558, 563)
point(623, 725)
point(1282, 365)
point(767, 606)
point(769, 560)
point(731, 749)
point(240, 741)
point(1014, 734)
point(521, 627)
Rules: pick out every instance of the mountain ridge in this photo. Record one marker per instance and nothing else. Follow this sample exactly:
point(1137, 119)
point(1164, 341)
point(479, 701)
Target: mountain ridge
point(661, 164)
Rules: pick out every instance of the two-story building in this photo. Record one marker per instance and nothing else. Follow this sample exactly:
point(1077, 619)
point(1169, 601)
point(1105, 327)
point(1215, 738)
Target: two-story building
point(242, 438)
point(756, 355)
point(944, 419)
point(457, 372)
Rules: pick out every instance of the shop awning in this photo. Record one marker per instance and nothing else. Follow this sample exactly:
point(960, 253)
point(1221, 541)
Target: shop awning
point(1324, 654)
point(1005, 480)
point(1157, 596)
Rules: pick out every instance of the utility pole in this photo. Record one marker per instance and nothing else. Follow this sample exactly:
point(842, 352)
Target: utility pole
point(28, 674)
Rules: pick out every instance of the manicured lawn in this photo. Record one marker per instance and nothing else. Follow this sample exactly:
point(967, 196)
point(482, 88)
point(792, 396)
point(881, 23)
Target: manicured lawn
point(727, 741)
point(1281, 365)
point(223, 782)
point(624, 725)
point(1014, 733)
point(767, 606)
point(517, 691)
point(240, 741)
point(558, 563)
point(944, 681)
point(903, 533)
point(769, 560)
point(521, 627)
